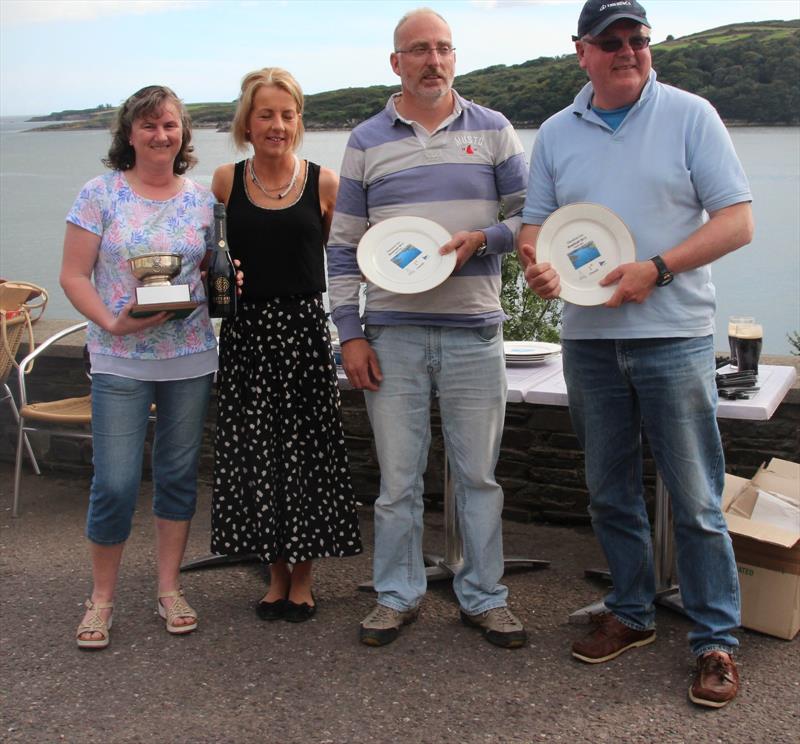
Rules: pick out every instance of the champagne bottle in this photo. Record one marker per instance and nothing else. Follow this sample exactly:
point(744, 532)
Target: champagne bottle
point(221, 271)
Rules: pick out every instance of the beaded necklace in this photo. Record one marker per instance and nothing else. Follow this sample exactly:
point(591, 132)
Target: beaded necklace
point(283, 190)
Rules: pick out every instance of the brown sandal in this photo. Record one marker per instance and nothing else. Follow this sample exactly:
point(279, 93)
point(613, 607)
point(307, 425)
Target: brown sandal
point(180, 608)
point(95, 624)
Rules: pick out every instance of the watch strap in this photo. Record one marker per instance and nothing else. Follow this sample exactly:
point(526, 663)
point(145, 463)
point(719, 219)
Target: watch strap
point(665, 276)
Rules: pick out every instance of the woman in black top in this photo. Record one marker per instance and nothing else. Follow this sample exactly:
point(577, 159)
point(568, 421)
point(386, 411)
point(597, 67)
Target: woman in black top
point(282, 484)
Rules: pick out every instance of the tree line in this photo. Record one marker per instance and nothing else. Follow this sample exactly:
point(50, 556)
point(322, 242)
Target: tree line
point(749, 72)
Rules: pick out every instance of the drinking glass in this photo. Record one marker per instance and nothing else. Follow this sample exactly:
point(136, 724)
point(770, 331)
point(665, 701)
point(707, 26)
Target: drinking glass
point(749, 339)
point(733, 323)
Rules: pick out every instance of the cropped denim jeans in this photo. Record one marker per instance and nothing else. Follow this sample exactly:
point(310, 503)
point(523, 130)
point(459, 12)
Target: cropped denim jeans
point(464, 368)
point(120, 410)
point(666, 387)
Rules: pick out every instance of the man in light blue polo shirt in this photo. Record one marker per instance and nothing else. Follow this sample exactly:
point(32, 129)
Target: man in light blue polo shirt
point(662, 160)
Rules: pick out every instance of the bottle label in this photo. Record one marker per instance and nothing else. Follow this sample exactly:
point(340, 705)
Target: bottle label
point(221, 287)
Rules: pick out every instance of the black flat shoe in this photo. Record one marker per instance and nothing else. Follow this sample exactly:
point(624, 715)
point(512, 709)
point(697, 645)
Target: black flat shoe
point(272, 610)
point(299, 613)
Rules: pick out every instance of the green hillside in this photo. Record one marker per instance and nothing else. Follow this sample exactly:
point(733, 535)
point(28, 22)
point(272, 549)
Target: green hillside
point(749, 71)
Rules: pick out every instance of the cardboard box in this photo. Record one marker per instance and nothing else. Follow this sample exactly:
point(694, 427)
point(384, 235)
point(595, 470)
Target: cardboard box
point(768, 547)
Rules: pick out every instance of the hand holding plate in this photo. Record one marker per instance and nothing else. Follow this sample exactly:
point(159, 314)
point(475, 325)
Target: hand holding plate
point(465, 244)
point(526, 254)
point(542, 278)
point(636, 282)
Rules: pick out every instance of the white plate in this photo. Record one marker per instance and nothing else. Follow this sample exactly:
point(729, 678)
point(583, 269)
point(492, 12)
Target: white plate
point(401, 255)
point(529, 362)
point(530, 348)
point(584, 242)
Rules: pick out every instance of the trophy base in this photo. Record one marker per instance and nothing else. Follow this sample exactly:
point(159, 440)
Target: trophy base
point(179, 310)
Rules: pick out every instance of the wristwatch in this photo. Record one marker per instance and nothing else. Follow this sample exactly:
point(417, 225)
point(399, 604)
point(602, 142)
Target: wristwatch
point(481, 250)
point(665, 276)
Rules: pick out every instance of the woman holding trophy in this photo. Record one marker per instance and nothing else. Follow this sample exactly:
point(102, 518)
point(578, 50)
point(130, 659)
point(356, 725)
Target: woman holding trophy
point(143, 209)
point(282, 485)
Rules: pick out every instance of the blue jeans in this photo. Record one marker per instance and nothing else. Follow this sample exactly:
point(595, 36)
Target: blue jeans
point(120, 409)
point(464, 368)
point(666, 386)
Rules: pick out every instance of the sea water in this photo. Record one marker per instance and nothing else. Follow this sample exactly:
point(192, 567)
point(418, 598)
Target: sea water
point(42, 172)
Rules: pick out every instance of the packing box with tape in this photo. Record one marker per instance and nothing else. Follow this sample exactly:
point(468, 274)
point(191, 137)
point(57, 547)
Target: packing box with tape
point(763, 516)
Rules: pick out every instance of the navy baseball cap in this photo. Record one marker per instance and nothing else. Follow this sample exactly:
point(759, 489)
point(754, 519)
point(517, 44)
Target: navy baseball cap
point(598, 15)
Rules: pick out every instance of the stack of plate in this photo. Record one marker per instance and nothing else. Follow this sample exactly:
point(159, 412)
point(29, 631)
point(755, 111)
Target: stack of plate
point(526, 353)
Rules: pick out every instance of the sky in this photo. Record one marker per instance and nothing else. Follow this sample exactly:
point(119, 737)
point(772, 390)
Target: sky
point(76, 54)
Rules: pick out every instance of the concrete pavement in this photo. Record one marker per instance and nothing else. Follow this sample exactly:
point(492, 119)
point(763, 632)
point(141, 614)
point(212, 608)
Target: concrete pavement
point(239, 680)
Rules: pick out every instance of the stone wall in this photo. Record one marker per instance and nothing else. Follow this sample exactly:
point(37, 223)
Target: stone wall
point(540, 465)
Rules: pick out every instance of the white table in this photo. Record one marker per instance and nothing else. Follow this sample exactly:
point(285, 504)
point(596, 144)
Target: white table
point(549, 388)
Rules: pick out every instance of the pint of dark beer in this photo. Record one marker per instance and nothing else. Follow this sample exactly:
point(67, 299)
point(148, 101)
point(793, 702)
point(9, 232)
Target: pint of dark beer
point(733, 323)
point(749, 339)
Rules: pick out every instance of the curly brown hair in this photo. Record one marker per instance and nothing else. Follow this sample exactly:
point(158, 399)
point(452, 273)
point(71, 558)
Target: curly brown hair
point(149, 101)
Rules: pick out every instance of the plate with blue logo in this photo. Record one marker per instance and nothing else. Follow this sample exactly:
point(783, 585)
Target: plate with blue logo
point(401, 254)
point(583, 242)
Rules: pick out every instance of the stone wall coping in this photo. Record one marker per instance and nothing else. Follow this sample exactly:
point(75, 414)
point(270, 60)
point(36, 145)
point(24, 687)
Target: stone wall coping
point(72, 347)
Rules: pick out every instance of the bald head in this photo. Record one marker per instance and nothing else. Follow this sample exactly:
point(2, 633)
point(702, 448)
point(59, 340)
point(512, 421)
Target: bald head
point(407, 17)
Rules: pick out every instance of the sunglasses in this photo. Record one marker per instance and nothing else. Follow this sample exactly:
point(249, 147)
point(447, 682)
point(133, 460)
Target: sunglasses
point(614, 43)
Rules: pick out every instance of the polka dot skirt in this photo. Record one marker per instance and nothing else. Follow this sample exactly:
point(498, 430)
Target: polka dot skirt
point(282, 484)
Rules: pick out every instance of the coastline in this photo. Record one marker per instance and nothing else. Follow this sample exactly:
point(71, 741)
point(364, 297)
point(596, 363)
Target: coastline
point(89, 126)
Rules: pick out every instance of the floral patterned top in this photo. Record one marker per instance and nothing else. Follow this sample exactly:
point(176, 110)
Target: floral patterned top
point(130, 225)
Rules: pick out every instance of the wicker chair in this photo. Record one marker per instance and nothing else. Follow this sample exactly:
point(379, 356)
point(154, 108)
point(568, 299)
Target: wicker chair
point(54, 414)
point(15, 332)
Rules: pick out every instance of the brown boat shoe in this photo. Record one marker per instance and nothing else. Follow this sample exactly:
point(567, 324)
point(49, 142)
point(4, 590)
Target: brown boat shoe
point(716, 680)
point(609, 639)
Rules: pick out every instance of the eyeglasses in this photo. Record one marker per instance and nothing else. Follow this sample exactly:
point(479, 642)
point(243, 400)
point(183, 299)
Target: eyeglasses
point(421, 51)
point(614, 43)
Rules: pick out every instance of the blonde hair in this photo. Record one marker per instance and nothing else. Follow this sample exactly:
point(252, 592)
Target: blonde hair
point(276, 77)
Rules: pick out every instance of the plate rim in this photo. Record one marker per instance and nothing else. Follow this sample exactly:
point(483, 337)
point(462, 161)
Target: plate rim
point(594, 295)
point(552, 347)
point(385, 227)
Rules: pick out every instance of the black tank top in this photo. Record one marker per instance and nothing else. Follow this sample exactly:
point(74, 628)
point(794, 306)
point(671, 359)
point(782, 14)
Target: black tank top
point(281, 250)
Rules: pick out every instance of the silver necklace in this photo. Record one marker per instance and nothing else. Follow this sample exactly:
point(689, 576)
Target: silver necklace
point(282, 190)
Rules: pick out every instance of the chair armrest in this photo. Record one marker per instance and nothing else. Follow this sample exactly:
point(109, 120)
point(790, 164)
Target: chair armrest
point(23, 365)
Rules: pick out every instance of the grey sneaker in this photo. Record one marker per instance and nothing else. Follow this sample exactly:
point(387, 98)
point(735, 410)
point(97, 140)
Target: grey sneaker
point(383, 624)
point(499, 626)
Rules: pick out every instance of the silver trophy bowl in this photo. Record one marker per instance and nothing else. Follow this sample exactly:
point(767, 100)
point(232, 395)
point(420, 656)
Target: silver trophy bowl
point(155, 269)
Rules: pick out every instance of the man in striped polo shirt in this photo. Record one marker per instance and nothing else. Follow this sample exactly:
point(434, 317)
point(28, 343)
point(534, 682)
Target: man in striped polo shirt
point(431, 154)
